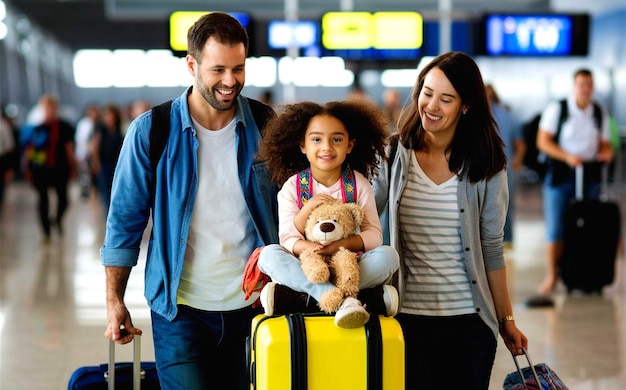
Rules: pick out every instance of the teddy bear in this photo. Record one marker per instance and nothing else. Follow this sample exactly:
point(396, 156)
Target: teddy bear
point(329, 222)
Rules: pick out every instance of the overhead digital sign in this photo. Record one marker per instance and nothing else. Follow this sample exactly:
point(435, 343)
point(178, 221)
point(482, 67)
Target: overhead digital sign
point(180, 21)
point(283, 34)
point(535, 35)
point(372, 36)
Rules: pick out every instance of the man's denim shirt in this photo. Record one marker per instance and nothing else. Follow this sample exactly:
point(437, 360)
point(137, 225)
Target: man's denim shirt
point(175, 190)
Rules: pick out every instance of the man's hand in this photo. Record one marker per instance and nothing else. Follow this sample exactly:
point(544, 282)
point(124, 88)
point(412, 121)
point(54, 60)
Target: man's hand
point(120, 326)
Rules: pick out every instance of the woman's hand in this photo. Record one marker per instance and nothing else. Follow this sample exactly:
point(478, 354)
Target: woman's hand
point(514, 339)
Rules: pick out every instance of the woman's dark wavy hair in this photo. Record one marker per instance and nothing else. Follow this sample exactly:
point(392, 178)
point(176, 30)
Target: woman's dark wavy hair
point(365, 122)
point(476, 146)
point(219, 25)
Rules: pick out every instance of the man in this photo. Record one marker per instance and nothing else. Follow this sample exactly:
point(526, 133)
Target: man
point(212, 204)
point(579, 141)
point(51, 163)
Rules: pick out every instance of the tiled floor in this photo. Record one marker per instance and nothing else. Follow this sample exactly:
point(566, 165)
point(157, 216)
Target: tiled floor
point(52, 312)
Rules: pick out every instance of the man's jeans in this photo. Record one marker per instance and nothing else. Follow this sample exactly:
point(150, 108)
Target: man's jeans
point(201, 349)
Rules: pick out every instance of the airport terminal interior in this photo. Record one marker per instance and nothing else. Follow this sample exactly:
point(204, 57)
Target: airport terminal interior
point(52, 296)
point(52, 313)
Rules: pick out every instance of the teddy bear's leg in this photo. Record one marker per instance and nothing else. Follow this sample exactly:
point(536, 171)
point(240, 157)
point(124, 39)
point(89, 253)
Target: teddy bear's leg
point(314, 267)
point(331, 300)
point(345, 270)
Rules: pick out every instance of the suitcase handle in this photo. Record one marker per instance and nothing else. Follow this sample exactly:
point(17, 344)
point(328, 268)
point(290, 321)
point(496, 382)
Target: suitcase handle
point(530, 364)
point(138, 373)
point(579, 182)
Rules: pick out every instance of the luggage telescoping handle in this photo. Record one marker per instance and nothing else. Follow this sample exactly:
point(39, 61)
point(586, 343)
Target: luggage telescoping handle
point(530, 364)
point(137, 374)
point(580, 182)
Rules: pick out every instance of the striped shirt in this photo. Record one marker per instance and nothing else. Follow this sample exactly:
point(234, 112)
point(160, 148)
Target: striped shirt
point(438, 283)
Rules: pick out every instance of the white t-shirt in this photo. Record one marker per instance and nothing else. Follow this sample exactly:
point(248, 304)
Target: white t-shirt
point(437, 279)
point(221, 234)
point(579, 133)
point(84, 131)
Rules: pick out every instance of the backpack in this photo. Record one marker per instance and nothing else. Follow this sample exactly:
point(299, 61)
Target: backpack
point(534, 159)
point(254, 279)
point(160, 129)
point(305, 192)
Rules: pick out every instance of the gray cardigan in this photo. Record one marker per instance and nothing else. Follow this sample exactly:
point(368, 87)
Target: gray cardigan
point(482, 208)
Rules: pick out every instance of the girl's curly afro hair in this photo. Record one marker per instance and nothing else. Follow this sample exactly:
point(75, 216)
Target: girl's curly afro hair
point(365, 122)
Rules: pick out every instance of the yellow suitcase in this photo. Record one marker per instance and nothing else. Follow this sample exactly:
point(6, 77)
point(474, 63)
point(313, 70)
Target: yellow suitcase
point(308, 351)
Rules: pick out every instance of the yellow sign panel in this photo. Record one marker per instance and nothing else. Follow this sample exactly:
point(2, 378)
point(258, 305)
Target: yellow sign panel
point(180, 21)
point(397, 30)
point(346, 30)
point(364, 30)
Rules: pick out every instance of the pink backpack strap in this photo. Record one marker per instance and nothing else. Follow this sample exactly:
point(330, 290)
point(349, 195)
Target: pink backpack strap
point(348, 186)
point(304, 188)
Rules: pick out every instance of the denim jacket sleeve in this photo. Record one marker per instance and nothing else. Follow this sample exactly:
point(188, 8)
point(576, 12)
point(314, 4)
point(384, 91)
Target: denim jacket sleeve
point(130, 197)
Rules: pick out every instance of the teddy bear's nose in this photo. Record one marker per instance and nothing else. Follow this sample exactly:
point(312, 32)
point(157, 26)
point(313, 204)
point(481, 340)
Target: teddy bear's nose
point(327, 227)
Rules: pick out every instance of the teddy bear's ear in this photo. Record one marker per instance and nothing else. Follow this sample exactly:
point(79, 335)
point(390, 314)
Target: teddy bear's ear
point(357, 212)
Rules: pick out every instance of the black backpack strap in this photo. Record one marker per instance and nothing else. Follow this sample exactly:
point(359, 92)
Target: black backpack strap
point(159, 132)
point(597, 115)
point(261, 113)
point(562, 118)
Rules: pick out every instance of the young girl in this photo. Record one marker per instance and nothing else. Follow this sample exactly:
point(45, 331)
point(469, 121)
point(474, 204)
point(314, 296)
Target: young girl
point(332, 143)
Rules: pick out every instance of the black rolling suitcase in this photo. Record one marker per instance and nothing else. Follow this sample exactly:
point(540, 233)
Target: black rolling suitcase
point(590, 240)
point(126, 376)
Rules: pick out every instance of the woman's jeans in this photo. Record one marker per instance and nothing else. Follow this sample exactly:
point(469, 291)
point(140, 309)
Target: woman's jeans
point(454, 352)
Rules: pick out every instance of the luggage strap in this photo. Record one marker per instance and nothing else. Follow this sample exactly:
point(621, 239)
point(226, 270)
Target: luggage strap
point(373, 335)
point(304, 186)
point(297, 330)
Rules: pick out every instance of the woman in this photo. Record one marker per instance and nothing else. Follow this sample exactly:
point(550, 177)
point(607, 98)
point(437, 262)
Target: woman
point(106, 144)
point(444, 191)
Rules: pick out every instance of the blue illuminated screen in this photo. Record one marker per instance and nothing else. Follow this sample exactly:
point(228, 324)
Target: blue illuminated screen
point(283, 34)
point(529, 35)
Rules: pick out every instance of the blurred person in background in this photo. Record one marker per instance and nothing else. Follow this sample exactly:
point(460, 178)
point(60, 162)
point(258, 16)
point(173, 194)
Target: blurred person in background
point(105, 147)
point(9, 153)
point(580, 141)
point(134, 109)
point(50, 162)
point(392, 105)
point(267, 97)
point(514, 149)
point(84, 131)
